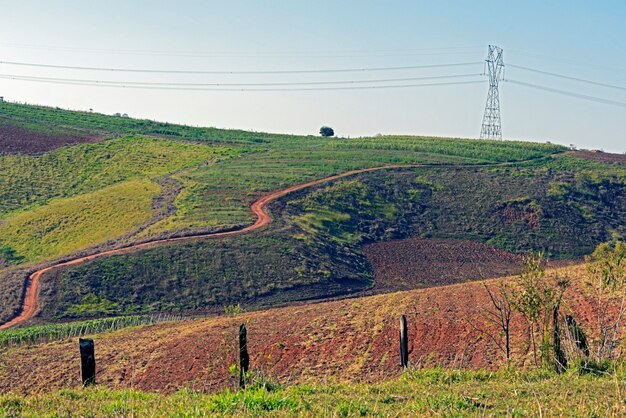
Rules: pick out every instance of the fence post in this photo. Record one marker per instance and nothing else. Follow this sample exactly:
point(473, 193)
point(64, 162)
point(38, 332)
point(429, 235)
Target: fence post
point(559, 356)
point(87, 361)
point(244, 359)
point(404, 343)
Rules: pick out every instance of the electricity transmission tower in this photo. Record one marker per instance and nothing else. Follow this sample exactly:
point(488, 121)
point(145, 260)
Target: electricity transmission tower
point(494, 66)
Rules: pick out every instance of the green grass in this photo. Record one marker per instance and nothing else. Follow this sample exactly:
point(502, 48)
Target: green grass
point(219, 194)
point(314, 248)
point(67, 225)
point(28, 181)
point(427, 392)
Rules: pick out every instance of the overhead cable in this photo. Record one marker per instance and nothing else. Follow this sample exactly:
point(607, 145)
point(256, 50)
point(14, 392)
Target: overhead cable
point(582, 80)
point(284, 83)
point(183, 88)
point(159, 71)
point(567, 93)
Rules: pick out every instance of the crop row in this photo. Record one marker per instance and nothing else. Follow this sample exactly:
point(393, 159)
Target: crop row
point(62, 331)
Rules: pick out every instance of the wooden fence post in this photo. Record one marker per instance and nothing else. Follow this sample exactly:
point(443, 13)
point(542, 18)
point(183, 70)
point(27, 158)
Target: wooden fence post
point(244, 359)
point(87, 361)
point(404, 343)
point(560, 361)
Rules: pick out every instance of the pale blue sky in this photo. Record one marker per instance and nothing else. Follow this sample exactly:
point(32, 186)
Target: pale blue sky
point(584, 39)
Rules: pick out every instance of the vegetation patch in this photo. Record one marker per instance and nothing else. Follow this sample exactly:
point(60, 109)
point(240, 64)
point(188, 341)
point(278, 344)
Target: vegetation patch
point(419, 392)
point(29, 181)
point(68, 225)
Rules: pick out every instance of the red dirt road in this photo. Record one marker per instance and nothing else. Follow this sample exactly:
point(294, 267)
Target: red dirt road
point(29, 304)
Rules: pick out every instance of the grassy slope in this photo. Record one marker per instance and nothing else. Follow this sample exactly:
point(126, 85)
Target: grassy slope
point(428, 392)
point(29, 181)
point(220, 194)
point(68, 225)
point(315, 249)
point(215, 195)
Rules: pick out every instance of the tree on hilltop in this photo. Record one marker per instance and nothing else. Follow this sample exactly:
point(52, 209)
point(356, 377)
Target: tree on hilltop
point(327, 131)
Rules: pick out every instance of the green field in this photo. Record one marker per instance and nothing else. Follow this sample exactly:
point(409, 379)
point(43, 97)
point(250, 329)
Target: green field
point(76, 223)
point(419, 392)
point(30, 181)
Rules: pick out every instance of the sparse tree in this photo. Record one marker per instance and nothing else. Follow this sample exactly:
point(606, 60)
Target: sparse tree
point(327, 131)
point(607, 269)
point(538, 301)
point(500, 315)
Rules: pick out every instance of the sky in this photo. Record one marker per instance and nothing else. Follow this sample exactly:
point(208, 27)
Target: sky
point(580, 39)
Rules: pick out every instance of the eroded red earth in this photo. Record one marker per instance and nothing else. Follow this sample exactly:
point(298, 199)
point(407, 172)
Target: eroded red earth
point(348, 340)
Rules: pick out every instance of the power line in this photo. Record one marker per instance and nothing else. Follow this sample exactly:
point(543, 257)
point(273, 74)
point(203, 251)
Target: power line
point(171, 84)
point(155, 71)
point(571, 62)
point(567, 93)
point(582, 80)
point(182, 88)
point(230, 54)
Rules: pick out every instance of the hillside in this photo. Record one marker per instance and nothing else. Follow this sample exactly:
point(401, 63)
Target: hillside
point(308, 236)
point(349, 340)
point(514, 196)
point(315, 248)
point(214, 176)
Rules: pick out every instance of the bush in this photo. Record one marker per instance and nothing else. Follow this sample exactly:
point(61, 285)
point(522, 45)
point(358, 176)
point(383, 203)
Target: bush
point(327, 131)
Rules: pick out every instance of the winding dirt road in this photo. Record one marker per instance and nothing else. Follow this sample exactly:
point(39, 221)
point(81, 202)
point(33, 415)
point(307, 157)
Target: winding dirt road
point(29, 304)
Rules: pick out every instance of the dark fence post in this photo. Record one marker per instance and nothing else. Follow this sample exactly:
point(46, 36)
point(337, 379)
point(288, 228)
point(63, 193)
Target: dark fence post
point(559, 356)
point(404, 343)
point(87, 361)
point(244, 359)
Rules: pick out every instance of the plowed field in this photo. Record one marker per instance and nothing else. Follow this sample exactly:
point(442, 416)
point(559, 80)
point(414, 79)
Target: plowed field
point(18, 140)
point(602, 157)
point(418, 263)
point(347, 340)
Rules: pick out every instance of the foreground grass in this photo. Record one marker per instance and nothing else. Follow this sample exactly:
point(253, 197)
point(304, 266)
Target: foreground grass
point(428, 392)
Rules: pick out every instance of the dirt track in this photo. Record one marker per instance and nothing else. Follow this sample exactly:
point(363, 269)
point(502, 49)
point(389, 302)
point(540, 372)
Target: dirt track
point(29, 305)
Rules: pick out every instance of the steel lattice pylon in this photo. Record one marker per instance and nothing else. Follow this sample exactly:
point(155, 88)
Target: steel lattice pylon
point(494, 66)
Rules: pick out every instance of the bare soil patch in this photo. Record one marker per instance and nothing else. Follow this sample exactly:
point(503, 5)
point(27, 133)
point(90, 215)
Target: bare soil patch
point(418, 263)
point(348, 340)
point(602, 157)
point(18, 140)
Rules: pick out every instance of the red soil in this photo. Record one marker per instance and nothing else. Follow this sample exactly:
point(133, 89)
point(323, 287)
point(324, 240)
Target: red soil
point(417, 263)
point(18, 140)
point(348, 340)
point(602, 157)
